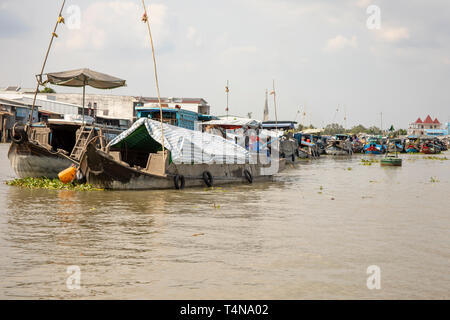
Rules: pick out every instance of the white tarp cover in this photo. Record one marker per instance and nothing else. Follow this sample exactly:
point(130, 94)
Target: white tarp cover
point(187, 146)
point(234, 121)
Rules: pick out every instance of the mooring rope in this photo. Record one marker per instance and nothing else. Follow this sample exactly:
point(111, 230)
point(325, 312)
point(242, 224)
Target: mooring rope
point(39, 80)
point(145, 19)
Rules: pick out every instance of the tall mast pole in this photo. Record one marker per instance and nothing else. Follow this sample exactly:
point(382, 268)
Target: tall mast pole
point(145, 19)
point(381, 122)
point(275, 104)
point(39, 79)
point(227, 90)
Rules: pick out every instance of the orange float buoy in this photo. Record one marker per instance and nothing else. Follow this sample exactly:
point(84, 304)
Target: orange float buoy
point(67, 175)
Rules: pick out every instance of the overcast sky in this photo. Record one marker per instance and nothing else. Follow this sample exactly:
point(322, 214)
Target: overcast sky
point(320, 52)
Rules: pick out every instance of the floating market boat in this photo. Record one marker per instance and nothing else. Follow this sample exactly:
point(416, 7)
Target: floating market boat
point(44, 149)
point(412, 144)
point(429, 147)
point(391, 160)
point(151, 155)
point(339, 145)
point(374, 146)
point(396, 145)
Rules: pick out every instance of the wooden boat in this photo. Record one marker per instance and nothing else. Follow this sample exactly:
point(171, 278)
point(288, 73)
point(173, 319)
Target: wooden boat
point(395, 145)
point(45, 149)
point(136, 160)
point(428, 147)
point(339, 145)
point(412, 144)
point(374, 146)
point(391, 160)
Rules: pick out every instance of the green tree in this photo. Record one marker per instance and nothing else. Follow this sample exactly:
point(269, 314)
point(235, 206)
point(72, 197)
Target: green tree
point(47, 90)
point(357, 129)
point(374, 130)
point(333, 128)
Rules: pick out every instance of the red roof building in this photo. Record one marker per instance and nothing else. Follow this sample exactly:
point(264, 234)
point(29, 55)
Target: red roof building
point(428, 119)
point(418, 127)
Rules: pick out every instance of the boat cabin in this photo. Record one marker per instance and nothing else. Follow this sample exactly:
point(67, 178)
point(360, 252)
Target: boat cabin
point(175, 116)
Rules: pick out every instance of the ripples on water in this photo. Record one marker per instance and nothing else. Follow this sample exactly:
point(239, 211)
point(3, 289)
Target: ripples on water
point(286, 239)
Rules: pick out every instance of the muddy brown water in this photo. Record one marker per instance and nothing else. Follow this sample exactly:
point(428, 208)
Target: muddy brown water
point(286, 239)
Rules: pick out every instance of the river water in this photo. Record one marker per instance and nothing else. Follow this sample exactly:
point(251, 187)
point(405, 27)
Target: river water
point(310, 234)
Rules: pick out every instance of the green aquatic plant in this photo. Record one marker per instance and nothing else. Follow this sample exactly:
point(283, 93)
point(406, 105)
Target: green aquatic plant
point(435, 158)
point(50, 184)
point(368, 162)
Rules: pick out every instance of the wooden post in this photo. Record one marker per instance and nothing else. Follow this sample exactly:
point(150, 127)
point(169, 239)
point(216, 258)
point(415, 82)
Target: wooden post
point(3, 128)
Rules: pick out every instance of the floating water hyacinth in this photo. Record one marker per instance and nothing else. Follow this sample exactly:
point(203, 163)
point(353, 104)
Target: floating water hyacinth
point(435, 158)
point(50, 184)
point(369, 162)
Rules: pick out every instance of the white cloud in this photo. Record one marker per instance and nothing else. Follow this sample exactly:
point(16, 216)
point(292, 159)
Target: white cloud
point(340, 42)
point(116, 24)
point(393, 34)
point(192, 35)
point(363, 3)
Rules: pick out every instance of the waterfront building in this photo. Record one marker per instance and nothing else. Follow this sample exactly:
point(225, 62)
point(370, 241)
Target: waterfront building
point(427, 126)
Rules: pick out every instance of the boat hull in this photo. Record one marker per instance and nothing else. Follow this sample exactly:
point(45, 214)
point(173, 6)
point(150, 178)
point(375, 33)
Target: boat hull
point(391, 162)
point(32, 160)
point(102, 171)
point(338, 152)
point(412, 150)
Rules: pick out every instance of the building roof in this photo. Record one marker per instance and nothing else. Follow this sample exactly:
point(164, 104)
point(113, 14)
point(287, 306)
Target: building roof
point(436, 121)
point(418, 120)
point(173, 100)
point(428, 119)
point(14, 103)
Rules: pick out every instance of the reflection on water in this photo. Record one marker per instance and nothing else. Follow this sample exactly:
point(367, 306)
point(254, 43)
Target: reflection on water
point(311, 233)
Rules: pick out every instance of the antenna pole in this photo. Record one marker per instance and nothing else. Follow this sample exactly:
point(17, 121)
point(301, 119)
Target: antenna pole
point(381, 122)
point(145, 19)
point(39, 79)
point(275, 104)
point(227, 90)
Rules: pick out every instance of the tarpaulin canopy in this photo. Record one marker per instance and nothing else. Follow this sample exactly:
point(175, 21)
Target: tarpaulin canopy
point(84, 77)
point(233, 122)
point(186, 146)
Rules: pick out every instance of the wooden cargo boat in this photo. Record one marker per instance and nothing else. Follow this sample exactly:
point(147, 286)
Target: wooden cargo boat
point(144, 158)
point(339, 145)
point(45, 149)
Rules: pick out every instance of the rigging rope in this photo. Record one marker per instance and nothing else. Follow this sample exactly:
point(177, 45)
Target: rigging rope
point(145, 19)
point(39, 80)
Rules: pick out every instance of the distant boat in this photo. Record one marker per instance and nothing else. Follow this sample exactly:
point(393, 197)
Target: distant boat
point(339, 145)
point(396, 145)
point(374, 146)
point(135, 160)
point(175, 116)
point(428, 147)
point(412, 145)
